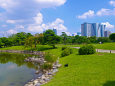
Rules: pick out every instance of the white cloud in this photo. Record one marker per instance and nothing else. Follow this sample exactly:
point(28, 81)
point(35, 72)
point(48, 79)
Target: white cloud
point(11, 31)
point(112, 3)
point(14, 21)
point(104, 12)
point(50, 3)
point(8, 33)
point(19, 27)
point(27, 7)
point(11, 21)
point(22, 12)
point(39, 18)
point(57, 24)
point(90, 13)
point(68, 33)
point(108, 25)
point(39, 27)
point(35, 28)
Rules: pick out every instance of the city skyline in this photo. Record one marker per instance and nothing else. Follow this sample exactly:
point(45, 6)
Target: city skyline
point(93, 29)
point(63, 15)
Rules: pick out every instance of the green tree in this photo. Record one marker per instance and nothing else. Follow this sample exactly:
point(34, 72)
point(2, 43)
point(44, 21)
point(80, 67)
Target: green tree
point(40, 37)
point(64, 37)
point(6, 42)
point(50, 38)
point(92, 39)
point(29, 42)
point(1, 44)
point(112, 37)
point(19, 38)
point(80, 39)
point(103, 39)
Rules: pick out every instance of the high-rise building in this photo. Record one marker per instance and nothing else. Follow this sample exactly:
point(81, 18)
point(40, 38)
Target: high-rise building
point(55, 31)
point(79, 33)
point(107, 33)
point(92, 29)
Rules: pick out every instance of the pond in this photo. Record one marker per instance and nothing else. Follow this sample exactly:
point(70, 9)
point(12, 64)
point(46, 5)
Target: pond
point(14, 71)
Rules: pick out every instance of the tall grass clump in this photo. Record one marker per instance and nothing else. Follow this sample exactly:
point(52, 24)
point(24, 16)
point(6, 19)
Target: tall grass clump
point(50, 58)
point(46, 66)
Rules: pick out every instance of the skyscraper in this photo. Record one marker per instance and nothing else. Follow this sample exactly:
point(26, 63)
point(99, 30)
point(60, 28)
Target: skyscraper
point(55, 31)
point(107, 33)
point(79, 33)
point(92, 29)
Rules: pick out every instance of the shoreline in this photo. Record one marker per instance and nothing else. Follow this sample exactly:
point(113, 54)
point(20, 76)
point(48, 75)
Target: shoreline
point(47, 75)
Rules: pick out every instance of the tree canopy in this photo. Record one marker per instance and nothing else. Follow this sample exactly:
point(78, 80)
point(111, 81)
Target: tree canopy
point(51, 38)
point(112, 37)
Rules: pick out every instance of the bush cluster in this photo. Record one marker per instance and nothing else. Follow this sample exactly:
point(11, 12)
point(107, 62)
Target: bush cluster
point(87, 49)
point(66, 51)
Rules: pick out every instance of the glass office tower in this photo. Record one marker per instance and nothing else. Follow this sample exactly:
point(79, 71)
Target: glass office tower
point(92, 29)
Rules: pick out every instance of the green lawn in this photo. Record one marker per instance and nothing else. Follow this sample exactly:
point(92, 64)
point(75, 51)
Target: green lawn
point(85, 70)
point(106, 46)
point(14, 48)
point(39, 48)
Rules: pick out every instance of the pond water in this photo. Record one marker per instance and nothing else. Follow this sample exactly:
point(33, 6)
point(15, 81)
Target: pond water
point(14, 71)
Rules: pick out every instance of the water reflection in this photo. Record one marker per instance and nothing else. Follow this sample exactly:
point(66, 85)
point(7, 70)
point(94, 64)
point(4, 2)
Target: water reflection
point(14, 71)
point(17, 59)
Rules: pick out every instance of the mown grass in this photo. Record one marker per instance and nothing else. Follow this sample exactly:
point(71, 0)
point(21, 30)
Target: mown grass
point(14, 48)
point(39, 48)
point(106, 46)
point(84, 70)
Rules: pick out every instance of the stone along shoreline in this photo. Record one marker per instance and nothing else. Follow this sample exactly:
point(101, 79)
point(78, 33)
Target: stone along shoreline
point(47, 75)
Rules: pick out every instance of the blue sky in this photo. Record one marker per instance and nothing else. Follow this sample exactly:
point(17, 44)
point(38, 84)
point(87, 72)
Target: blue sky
point(35, 16)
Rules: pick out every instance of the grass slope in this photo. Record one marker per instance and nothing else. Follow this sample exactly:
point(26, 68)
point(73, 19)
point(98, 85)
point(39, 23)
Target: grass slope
point(85, 70)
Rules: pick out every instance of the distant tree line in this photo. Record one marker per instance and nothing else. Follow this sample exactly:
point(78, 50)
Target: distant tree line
point(49, 37)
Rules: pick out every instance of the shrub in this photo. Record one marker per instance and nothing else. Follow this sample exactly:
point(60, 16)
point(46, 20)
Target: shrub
point(46, 66)
point(66, 52)
point(87, 49)
point(50, 58)
point(63, 48)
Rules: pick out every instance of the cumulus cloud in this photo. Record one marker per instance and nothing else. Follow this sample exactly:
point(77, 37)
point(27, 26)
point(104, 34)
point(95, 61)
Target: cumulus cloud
point(101, 12)
point(35, 28)
point(11, 21)
point(39, 18)
point(24, 9)
point(112, 3)
point(50, 3)
point(108, 25)
point(104, 12)
point(19, 27)
point(57, 24)
point(11, 31)
point(14, 21)
point(8, 32)
point(90, 13)
point(21, 13)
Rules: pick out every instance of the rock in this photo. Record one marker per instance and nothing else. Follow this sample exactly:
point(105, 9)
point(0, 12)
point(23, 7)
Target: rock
point(38, 84)
point(35, 82)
